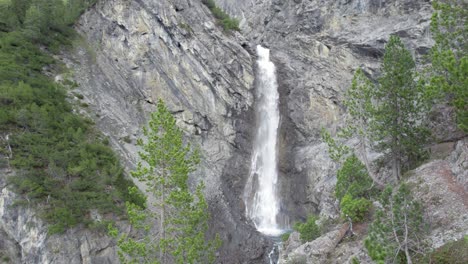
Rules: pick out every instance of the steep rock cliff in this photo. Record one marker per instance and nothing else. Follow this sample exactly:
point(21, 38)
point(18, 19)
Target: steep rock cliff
point(134, 52)
point(173, 50)
point(25, 239)
point(317, 45)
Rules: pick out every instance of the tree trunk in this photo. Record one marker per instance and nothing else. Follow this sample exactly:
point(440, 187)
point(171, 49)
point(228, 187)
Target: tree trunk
point(408, 257)
point(162, 252)
point(395, 167)
point(376, 181)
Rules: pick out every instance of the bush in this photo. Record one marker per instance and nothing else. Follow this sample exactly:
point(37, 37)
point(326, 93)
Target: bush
point(223, 18)
point(285, 237)
point(230, 24)
point(353, 179)
point(455, 252)
point(355, 260)
point(309, 230)
point(398, 225)
point(356, 209)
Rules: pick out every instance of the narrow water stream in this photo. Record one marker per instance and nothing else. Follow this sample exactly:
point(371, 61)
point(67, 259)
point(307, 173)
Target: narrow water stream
point(261, 195)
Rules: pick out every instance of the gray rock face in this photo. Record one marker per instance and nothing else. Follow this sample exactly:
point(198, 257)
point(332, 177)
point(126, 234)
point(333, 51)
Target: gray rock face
point(315, 251)
point(172, 50)
point(134, 52)
point(440, 185)
point(317, 45)
point(24, 238)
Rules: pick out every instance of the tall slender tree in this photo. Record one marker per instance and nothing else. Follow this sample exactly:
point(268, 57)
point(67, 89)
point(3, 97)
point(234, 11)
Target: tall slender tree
point(449, 55)
point(399, 108)
point(183, 215)
point(358, 101)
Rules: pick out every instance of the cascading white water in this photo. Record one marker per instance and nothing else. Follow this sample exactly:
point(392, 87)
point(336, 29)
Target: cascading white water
point(260, 195)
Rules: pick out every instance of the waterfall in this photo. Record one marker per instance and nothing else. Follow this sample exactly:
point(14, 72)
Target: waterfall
point(260, 193)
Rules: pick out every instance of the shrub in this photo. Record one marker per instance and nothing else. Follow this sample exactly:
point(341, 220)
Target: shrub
point(230, 24)
point(309, 230)
point(222, 17)
point(399, 228)
point(127, 139)
point(455, 252)
point(355, 260)
point(285, 237)
point(353, 179)
point(356, 209)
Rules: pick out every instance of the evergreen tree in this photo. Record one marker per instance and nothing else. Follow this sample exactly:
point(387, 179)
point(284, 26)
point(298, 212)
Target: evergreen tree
point(353, 179)
point(353, 189)
point(8, 18)
point(449, 55)
point(391, 113)
point(399, 108)
point(183, 216)
point(358, 101)
point(397, 233)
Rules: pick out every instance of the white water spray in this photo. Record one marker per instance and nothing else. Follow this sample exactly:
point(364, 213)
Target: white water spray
point(260, 195)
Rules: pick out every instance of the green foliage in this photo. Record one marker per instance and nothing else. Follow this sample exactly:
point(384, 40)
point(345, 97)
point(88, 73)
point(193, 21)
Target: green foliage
point(8, 16)
point(131, 250)
point(449, 55)
point(454, 252)
point(353, 179)
point(353, 189)
point(336, 150)
point(183, 215)
point(60, 161)
point(398, 230)
point(355, 260)
point(358, 102)
point(400, 108)
point(391, 112)
point(223, 18)
point(285, 237)
point(309, 230)
point(356, 209)
point(43, 21)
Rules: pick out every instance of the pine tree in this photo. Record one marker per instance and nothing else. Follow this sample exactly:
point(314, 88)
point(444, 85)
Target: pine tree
point(449, 55)
point(399, 108)
point(397, 233)
point(183, 216)
point(358, 101)
point(388, 115)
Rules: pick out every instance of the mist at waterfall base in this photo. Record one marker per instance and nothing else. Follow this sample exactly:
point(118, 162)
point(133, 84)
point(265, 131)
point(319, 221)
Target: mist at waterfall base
point(260, 195)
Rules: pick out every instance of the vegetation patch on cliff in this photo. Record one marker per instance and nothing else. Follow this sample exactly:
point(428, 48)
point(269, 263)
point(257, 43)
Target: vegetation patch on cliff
point(228, 23)
point(63, 164)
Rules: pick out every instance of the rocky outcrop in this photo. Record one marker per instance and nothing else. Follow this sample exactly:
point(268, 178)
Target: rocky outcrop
point(440, 185)
point(24, 236)
point(312, 252)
